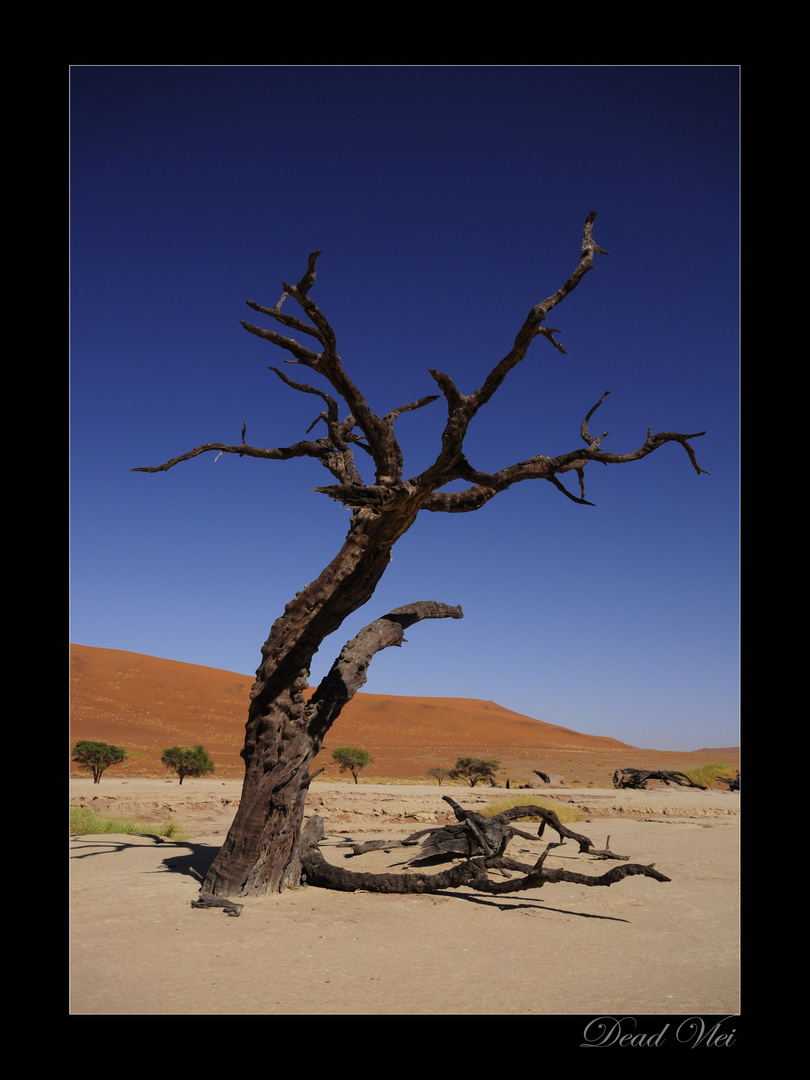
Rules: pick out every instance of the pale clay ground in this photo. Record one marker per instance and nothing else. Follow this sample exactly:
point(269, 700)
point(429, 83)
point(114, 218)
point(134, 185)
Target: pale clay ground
point(638, 947)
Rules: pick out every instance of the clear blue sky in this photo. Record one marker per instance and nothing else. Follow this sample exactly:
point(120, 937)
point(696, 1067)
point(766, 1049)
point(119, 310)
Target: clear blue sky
point(447, 201)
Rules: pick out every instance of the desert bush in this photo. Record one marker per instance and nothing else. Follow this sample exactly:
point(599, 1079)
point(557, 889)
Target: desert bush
point(439, 774)
point(564, 812)
point(87, 822)
point(473, 770)
point(705, 774)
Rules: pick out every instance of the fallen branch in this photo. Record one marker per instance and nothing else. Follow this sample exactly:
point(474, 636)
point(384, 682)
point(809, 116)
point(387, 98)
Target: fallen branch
point(637, 778)
point(733, 782)
point(472, 872)
point(207, 900)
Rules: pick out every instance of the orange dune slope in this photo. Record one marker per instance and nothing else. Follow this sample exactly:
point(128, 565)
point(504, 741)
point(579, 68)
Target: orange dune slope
point(146, 704)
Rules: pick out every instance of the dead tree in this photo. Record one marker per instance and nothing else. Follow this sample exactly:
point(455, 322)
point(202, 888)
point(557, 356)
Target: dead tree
point(475, 834)
point(284, 729)
point(733, 782)
point(481, 845)
point(637, 778)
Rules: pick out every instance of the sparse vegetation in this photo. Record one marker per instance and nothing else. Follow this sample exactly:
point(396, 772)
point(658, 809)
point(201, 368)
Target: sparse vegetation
point(705, 774)
point(439, 774)
point(96, 757)
point(472, 770)
point(352, 758)
point(564, 813)
point(87, 822)
point(188, 761)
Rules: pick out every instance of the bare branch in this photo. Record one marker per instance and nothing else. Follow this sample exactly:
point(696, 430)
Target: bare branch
point(462, 408)
point(302, 355)
point(350, 671)
point(286, 320)
point(390, 417)
point(533, 327)
point(308, 280)
point(545, 468)
point(305, 388)
point(379, 439)
point(301, 449)
point(321, 449)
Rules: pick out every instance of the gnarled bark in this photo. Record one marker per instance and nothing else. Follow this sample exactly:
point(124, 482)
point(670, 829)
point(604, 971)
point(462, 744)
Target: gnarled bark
point(284, 731)
point(260, 852)
point(473, 872)
point(637, 778)
point(476, 834)
point(733, 783)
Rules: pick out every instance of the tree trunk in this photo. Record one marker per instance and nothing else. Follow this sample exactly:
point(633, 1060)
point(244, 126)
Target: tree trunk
point(284, 731)
point(260, 852)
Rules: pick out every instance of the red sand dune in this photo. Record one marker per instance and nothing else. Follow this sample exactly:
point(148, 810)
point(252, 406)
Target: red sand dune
point(146, 704)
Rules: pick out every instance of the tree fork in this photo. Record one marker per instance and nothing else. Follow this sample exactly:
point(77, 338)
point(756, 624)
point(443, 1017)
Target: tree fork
point(260, 853)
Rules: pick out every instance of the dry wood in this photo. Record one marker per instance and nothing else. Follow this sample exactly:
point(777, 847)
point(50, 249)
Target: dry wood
point(471, 873)
point(207, 900)
point(284, 729)
point(637, 778)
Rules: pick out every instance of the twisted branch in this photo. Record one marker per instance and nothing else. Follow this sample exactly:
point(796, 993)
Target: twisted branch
point(375, 434)
point(350, 671)
point(471, 873)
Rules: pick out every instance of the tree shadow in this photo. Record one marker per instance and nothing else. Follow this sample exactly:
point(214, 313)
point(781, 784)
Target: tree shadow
point(195, 860)
point(182, 857)
point(517, 905)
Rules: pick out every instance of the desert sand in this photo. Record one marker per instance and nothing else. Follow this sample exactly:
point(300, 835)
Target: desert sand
point(638, 947)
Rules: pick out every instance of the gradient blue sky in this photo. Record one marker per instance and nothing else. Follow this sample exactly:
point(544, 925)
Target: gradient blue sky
point(447, 202)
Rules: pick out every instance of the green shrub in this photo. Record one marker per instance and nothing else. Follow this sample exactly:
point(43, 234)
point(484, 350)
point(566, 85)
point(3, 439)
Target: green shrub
point(705, 774)
point(439, 774)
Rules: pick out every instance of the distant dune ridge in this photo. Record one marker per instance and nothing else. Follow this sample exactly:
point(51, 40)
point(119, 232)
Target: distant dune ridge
point(146, 704)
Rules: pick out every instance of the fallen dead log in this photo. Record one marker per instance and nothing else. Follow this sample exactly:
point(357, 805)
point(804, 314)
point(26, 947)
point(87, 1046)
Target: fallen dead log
point(207, 900)
point(374, 845)
point(472, 873)
point(733, 782)
point(549, 818)
point(475, 834)
point(637, 778)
